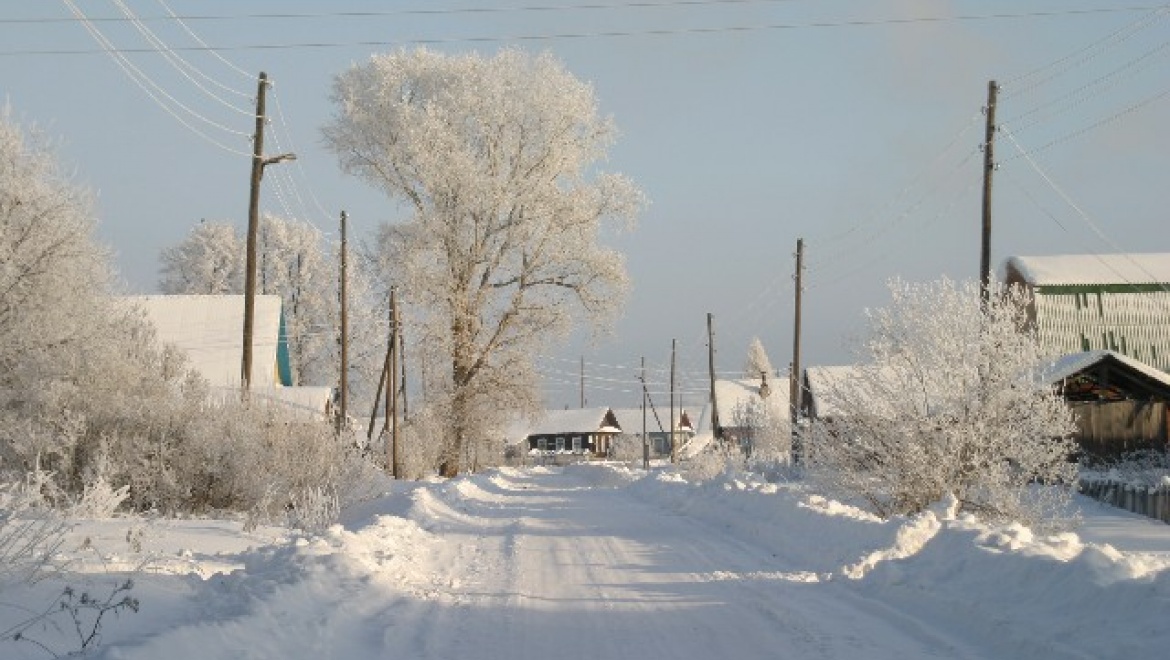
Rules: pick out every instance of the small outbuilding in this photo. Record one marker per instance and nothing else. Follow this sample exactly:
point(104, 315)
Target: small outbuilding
point(1121, 404)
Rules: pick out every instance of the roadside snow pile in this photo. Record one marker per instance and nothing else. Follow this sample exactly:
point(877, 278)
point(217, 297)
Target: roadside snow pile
point(1002, 585)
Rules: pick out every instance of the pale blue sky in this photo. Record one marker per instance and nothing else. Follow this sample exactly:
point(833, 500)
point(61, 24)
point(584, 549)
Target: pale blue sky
point(852, 123)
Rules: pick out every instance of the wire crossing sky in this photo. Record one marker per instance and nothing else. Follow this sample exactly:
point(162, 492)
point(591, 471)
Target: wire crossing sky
point(748, 123)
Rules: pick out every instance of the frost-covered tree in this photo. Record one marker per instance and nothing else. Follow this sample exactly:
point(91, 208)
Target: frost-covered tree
point(950, 400)
point(210, 260)
point(757, 360)
point(52, 272)
point(495, 160)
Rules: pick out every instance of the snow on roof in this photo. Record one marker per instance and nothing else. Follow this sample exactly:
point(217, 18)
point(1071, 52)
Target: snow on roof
point(577, 420)
point(1073, 363)
point(630, 419)
point(838, 390)
point(1151, 268)
point(309, 402)
point(733, 394)
point(208, 329)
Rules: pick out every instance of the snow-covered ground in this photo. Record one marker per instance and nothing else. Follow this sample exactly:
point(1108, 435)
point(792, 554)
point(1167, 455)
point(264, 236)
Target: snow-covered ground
point(602, 562)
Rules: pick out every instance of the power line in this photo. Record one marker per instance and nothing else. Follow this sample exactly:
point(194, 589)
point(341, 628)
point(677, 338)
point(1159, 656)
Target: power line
point(1095, 125)
point(1068, 62)
point(142, 80)
point(430, 11)
point(659, 32)
point(183, 66)
point(1078, 96)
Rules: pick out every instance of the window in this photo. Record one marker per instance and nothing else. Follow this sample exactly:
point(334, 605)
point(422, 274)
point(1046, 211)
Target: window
point(543, 444)
point(560, 444)
point(576, 444)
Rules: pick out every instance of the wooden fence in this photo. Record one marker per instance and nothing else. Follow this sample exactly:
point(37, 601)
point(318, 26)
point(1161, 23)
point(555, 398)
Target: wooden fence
point(1145, 500)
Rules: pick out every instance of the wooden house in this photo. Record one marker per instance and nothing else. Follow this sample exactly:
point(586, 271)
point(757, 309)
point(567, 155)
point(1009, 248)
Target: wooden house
point(580, 432)
point(656, 430)
point(743, 406)
point(1112, 302)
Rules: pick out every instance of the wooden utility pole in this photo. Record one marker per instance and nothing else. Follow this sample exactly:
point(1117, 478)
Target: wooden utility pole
point(377, 400)
point(395, 358)
point(988, 170)
point(402, 368)
point(794, 380)
point(794, 383)
point(343, 403)
point(645, 438)
point(259, 162)
point(715, 426)
point(253, 224)
point(673, 448)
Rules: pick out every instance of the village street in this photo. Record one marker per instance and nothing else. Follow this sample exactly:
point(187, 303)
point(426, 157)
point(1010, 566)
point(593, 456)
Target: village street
point(544, 566)
point(607, 562)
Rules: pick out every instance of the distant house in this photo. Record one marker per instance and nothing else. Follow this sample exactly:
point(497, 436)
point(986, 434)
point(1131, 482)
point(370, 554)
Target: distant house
point(1112, 302)
point(581, 432)
point(741, 405)
point(659, 436)
point(1120, 403)
point(209, 331)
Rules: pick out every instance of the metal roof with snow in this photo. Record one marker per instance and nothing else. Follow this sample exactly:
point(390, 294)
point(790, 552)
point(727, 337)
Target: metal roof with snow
point(1091, 269)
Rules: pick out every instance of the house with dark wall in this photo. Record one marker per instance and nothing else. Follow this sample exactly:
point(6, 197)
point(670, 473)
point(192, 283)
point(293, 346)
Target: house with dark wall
point(1111, 302)
point(582, 432)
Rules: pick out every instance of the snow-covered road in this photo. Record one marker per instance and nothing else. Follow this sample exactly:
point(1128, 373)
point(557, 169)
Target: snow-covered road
point(542, 566)
point(601, 562)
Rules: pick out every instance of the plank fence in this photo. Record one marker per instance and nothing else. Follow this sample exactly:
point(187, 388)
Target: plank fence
point(1145, 500)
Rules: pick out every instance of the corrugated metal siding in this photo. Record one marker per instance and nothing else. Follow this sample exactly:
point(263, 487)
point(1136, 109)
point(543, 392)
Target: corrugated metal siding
point(1135, 323)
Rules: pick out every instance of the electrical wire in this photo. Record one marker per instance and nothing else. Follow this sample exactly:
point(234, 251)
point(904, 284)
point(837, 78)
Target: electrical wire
point(1095, 125)
point(1027, 155)
point(1071, 61)
point(141, 80)
point(184, 67)
point(653, 32)
point(1077, 96)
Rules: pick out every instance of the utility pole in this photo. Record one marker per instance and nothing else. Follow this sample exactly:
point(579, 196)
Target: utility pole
point(988, 170)
point(344, 398)
point(645, 438)
point(794, 380)
point(794, 375)
point(402, 368)
point(673, 448)
point(715, 426)
point(391, 425)
point(258, 164)
point(582, 381)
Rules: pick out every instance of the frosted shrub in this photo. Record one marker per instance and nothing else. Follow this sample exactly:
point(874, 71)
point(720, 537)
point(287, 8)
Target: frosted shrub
point(950, 400)
point(626, 448)
point(99, 500)
point(314, 509)
point(30, 531)
point(718, 458)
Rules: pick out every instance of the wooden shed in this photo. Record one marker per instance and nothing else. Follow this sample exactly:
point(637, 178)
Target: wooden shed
point(1120, 403)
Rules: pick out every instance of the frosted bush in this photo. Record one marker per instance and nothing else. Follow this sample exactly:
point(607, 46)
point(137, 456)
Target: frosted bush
point(30, 531)
point(949, 400)
point(99, 500)
point(314, 509)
